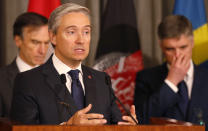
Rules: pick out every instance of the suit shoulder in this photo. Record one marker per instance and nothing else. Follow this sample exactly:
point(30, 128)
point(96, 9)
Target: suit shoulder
point(201, 70)
point(8, 67)
point(152, 71)
point(29, 81)
point(10, 70)
point(154, 76)
point(93, 71)
point(35, 72)
point(4, 69)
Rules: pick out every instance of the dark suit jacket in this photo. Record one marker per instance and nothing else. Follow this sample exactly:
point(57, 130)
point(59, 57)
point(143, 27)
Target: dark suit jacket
point(8, 74)
point(204, 64)
point(154, 98)
point(40, 97)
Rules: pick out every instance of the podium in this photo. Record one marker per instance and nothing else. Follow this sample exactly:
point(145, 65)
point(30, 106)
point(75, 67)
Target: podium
point(6, 125)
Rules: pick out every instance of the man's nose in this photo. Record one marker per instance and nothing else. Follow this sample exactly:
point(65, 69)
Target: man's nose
point(42, 48)
point(177, 52)
point(79, 39)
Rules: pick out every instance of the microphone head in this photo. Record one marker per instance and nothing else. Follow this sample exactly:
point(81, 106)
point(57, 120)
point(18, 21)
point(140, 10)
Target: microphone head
point(108, 80)
point(63, 78)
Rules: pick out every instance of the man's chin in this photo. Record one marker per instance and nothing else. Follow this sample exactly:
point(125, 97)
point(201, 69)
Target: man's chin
point(81, 58)
point(38, 62)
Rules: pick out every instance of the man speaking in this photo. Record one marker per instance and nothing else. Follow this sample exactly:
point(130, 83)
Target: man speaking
point(63, 90)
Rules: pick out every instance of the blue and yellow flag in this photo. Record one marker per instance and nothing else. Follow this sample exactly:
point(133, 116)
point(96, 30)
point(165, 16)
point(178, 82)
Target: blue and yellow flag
point(194, 10)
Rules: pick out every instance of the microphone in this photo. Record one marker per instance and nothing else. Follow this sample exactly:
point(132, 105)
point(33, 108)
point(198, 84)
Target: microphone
point(63, 81)
point(63, 78)
point(108, 82)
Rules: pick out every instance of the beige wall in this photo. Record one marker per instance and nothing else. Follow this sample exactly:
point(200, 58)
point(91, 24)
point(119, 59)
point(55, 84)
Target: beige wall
point(149, 13)
point(12, 9)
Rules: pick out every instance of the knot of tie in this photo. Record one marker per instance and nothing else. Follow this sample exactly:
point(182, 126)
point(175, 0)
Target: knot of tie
point(74, 74)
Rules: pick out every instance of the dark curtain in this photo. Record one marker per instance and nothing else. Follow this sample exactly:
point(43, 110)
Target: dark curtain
point(2, 35)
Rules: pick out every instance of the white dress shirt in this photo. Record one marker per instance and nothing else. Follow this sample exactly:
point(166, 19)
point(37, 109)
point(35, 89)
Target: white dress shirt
point(64, 69)
point(23, 66)
point(188, 79)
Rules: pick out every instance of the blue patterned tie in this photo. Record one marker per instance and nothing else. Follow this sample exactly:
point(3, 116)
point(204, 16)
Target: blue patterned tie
point(183, 92)
point(76, 89)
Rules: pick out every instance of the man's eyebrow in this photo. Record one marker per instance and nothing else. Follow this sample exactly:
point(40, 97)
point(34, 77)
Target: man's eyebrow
point(35, 40)
point(184, 45)
point(74, 26)
point(88, 26)
point(71, 26)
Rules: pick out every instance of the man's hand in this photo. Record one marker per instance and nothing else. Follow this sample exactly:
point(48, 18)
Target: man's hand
point(128, 119)
point(82, 118)
point(178, 69)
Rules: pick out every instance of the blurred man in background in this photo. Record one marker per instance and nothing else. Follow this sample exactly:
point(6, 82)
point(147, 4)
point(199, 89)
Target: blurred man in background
point(30, 32)
point(176, 89)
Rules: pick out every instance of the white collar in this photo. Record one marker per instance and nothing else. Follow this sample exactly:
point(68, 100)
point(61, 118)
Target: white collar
point(190, 72)
point(61, 67)
point(22, 65)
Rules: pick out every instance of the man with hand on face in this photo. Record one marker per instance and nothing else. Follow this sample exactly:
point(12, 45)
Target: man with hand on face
point(63, 91)
point(30, 32)
point(176, 89)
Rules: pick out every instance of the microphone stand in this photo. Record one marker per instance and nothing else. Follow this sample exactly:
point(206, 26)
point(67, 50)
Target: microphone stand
point(108, 81)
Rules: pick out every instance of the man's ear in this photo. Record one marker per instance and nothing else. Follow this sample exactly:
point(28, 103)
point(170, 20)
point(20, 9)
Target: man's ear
point(18, 40)
point(52, 37)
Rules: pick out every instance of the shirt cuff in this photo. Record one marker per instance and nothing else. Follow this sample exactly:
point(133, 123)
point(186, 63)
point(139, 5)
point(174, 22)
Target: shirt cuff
point(171, 85)
point(63, 123)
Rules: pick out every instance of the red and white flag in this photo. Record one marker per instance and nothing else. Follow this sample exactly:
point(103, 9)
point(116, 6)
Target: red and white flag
point(43, 7)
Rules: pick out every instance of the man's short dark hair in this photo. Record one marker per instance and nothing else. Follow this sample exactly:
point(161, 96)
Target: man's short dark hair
point(28, 19)
point(174, 26)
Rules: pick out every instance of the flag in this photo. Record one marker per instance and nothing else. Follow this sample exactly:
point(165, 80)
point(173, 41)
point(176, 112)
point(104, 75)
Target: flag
point(194, 10)
point(43, 7)
point(118, 51)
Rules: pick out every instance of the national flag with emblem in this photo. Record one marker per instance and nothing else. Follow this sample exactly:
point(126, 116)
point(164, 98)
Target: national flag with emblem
point(118, 52)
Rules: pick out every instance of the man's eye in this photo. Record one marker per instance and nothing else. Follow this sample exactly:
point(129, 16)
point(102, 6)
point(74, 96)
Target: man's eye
point(48, 42)
point(169, 49)
point(35, 42)
point(71, 32)
point(183, 47)
point(86, 32)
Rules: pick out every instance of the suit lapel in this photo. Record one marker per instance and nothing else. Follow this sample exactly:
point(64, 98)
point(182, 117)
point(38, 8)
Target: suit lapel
point(90, 87)
point(64, 99)
point(12, 72)
point(197, 83)
point(53, 80)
